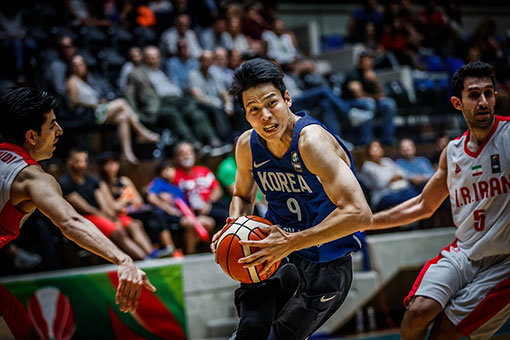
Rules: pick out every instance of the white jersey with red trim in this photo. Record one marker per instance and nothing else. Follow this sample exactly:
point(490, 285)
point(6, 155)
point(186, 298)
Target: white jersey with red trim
point(13, 159)
point(479, 186)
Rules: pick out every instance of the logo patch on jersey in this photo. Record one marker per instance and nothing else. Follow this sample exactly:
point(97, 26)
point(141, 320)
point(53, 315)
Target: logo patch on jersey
point(258, 165)
point(496, 168)
point(295, 162)
point(457, 169)
point(476, 170)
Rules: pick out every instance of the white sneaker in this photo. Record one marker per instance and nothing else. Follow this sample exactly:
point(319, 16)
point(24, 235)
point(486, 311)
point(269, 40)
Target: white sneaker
point(359, 116)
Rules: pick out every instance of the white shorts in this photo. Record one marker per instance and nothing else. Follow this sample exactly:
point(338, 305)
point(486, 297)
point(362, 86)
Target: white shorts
point(475, 295)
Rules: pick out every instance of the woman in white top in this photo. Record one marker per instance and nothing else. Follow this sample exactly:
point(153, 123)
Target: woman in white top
point(384, 179)
point(83, 97)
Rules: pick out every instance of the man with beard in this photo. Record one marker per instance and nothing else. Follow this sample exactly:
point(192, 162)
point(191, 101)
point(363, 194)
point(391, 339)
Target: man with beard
point(465, 290)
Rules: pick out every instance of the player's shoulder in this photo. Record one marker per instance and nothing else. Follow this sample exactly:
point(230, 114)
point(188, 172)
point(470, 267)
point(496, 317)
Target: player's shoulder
point(244, 139)
point(314, 138)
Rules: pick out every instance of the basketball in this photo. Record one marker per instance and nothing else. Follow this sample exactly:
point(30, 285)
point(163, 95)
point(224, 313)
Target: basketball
point(229, 251)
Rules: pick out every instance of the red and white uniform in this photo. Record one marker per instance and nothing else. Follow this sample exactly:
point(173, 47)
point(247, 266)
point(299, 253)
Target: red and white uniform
point(471, 277)
point(479, 185)
point(13, 159)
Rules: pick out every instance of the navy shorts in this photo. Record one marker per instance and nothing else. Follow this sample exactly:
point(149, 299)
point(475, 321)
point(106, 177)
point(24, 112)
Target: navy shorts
point(271, 309)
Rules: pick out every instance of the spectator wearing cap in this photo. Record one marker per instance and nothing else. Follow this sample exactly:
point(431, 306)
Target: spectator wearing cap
point(362, 89)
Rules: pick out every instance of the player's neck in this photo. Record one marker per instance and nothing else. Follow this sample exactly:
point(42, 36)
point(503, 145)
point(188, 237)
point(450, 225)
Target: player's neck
point(477, 136)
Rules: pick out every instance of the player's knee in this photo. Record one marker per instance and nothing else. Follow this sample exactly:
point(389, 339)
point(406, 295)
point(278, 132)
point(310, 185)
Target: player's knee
point(422, 311)
point(253, 327)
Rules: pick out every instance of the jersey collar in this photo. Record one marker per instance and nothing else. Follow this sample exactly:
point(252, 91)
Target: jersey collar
point(20, 151)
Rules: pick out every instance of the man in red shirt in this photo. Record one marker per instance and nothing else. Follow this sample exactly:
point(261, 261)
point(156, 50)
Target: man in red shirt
point(199, 185)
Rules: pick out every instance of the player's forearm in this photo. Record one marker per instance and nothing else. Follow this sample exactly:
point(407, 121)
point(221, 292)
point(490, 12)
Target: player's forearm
point(340, 223)
point(86, 235)
point(407, 212)
point(240, 206)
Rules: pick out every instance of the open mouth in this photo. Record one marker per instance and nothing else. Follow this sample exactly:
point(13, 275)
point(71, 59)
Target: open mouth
point(271, 128)
point(483, 115)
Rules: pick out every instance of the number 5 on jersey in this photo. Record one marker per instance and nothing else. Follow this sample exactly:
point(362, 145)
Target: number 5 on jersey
point(479, 219)
point(294, 208)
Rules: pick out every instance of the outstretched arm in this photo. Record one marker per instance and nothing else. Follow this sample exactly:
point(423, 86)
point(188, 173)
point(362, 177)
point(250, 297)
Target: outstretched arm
point(324, 157)
point(419, 207)
point(44, 191)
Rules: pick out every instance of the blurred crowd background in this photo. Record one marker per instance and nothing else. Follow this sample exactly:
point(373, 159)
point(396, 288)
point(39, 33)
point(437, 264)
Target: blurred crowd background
point(150, 129)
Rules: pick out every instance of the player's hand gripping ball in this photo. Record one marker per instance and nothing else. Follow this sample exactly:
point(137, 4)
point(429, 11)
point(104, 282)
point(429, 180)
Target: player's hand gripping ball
point(229, 251)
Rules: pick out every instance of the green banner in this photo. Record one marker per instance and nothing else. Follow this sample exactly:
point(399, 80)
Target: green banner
point(82, 306)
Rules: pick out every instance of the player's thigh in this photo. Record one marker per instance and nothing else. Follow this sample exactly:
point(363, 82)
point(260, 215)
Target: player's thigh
point(482, 305)
point(323, 289)
point(442, 280)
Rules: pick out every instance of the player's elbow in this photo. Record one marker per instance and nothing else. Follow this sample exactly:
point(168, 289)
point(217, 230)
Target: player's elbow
point(365, 218)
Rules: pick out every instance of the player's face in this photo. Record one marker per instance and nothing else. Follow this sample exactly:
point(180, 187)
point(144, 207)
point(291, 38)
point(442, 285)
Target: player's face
point(46, 141)
point(267, 111)
point(478, 101)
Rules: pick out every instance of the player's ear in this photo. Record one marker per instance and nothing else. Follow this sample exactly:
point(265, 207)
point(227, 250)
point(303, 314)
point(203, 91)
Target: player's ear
point(287, 98)
point(456, 102)
point(30, 137)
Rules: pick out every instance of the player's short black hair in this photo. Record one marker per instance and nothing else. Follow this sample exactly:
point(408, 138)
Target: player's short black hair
point(23, 109)
point(255, 72)
point(473, 69)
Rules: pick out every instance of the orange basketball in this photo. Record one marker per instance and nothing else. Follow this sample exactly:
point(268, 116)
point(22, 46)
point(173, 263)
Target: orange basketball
point(229, 251)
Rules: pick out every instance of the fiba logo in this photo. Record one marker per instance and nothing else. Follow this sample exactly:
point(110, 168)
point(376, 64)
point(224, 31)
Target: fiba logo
point(51, 314)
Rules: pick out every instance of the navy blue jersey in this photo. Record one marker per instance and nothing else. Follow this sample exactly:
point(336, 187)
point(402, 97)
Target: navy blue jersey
point(296, 197)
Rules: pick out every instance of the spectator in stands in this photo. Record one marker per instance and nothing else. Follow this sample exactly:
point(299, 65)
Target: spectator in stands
point(158, 100)
point(126, 200)
point(90, 107)
point(235, 59)
point(219, 69)
point(431, 23)
point(253, 24)
point(87, 13)
point(280, 44)
point(162, 193)
point(135, 60)
point(13, 37)
point(417, 170)
point(202, 190)
point(212, 96)
point(234, 39)
point(362, 90)
point(181, 29)
point(55, 74)
point(441, 143)
point(179, 66)
point(384, 179)
point(332, 107)
point(359, 19)
point(212, 37)
point(84, 193)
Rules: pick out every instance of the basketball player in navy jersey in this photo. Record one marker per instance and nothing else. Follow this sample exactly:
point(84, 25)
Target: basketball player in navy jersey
point(315, 204)
point(30, 130)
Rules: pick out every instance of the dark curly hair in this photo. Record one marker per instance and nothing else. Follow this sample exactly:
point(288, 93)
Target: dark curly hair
point(255, 72)
point(473, 69)
point(23, 109)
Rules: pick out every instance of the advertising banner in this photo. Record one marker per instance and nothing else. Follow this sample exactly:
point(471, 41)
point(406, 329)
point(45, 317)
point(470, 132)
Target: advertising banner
point(82, 306)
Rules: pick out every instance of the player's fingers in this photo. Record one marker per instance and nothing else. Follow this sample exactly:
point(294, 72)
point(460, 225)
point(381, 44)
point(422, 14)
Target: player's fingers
point(265, 229)
point(267, 267)
point(136, 299)
point(133, 289)
point(118, 294)
point(251, 260)
point(147, 283)
point(123, 295)
point(259, 243)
